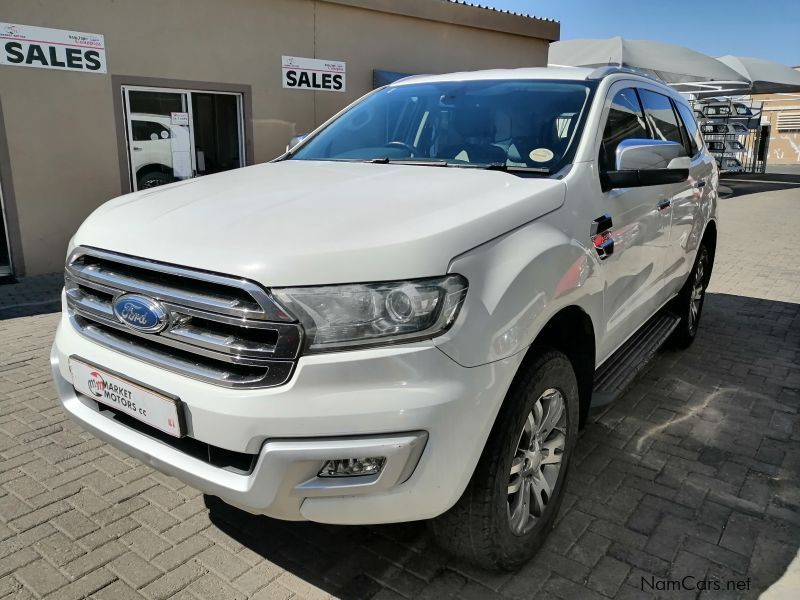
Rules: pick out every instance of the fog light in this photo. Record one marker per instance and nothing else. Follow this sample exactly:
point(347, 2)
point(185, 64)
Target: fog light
point(352, 467)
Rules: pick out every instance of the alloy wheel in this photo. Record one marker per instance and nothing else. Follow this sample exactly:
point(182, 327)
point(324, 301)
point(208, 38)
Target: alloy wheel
point(696, 297)
point(537, 461)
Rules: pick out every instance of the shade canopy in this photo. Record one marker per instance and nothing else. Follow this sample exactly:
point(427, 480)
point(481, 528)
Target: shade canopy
point(765, 76)
point(670, 63)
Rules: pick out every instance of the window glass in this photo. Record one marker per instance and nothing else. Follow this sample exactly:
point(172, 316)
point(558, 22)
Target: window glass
point(478, 123)
point(691, 130)
point(149, 131)
point(661, 116)
point(625, 122)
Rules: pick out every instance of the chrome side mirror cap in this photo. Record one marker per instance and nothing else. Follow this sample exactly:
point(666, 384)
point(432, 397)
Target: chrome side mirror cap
point(647, 154)
point(641, 162)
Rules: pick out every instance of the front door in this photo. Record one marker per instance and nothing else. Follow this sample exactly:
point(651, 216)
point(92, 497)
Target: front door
point(638, 227)
point(175, 134)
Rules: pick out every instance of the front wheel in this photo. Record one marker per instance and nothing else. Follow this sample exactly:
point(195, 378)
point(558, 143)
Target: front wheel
point(689, 303)
point(511, 502)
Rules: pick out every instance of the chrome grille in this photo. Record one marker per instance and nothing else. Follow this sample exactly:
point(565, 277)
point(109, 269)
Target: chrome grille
point(220, 329)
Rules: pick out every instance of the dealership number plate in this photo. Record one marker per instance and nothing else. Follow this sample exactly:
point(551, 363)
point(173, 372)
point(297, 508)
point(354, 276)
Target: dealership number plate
point(132, 399)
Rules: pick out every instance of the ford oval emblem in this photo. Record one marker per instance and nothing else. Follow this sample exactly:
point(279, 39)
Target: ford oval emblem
point(140, 313)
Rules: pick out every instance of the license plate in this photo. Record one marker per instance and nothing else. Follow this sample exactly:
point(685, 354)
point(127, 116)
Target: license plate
point(148, 406)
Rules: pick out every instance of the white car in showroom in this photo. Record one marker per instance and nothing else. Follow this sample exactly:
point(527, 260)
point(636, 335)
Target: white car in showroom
point(151, 150)
point(409, 314)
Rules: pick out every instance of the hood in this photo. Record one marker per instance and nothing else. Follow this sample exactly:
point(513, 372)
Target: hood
point(305, 223)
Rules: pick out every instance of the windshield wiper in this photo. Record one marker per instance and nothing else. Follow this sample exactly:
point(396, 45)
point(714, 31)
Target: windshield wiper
point(385, 160)
point(514, 168)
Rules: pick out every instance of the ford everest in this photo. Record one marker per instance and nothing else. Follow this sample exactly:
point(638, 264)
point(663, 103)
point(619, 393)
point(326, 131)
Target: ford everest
point(410, 313)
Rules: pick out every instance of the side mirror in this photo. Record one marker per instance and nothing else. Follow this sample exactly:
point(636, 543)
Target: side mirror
point(642, 162)
point(295, 140)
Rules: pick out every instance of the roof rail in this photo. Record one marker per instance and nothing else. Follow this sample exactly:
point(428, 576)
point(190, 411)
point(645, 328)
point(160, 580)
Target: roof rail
point(606, 70)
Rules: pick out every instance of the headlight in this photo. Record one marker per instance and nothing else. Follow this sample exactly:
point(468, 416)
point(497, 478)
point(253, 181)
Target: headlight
point(339, 317)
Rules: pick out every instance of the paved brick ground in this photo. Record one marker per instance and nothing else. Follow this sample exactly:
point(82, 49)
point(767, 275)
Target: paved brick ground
point(695, 471)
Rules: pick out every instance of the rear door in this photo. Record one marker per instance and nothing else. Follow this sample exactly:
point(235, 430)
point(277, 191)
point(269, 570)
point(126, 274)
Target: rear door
point(639, 229)
point(687, 219)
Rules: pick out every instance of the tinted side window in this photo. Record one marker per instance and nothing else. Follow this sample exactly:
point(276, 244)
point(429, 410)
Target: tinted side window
point(692, 131)
point(625, 121)
point(146, 131)
point(661, 116)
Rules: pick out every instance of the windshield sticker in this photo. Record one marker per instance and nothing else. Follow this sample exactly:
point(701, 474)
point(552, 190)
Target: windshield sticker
point(541, 155)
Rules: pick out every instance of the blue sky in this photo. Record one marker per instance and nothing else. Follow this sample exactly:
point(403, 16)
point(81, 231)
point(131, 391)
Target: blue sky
point(761, 28)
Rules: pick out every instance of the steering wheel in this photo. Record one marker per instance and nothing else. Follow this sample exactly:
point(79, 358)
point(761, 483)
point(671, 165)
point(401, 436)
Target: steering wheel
point(403, 145)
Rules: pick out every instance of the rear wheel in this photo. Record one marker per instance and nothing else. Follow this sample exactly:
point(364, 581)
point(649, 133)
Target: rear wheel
point(510, 505)
point(689, 302)
point(153, 179)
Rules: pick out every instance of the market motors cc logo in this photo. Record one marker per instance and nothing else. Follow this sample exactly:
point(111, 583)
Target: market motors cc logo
point(97, 384)
point(140, 313)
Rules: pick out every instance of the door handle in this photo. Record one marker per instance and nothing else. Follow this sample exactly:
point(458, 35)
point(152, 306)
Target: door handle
point(664, 204)
point(600, 233)
point(136, 149)
point(600, 224)
point(700, 183)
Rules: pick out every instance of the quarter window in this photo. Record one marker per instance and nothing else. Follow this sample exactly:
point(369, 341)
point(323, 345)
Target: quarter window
point(625, 121)
point(692, 132)
point(661, 116)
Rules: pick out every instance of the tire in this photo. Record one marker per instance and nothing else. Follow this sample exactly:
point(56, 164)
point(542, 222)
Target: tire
point(688, 305)
point(479, 527)
point(153, 179)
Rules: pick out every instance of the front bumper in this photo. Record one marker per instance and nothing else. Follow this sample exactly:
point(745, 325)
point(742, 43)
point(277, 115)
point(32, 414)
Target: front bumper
point(412, 404)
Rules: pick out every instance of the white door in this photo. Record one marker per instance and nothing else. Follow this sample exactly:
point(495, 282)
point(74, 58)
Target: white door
point(175, 134)
point(639, 229)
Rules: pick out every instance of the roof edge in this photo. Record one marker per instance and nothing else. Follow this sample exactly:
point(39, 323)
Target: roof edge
point(467, 15)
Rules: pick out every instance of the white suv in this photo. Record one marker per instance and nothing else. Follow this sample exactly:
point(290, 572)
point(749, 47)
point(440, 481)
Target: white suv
point(409, 314)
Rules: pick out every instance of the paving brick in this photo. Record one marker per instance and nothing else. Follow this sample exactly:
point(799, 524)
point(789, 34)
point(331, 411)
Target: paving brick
point(117, 590)
point(589, 549)
point(175, 580)
point(16, 560)
point(721, 556)
point(667, 538)
point(740, 533)
point(41, 577)
point(155, 517)
point(108, 533)
point(212, 587)
point(85, 587)
point(608, 576)
point(145, 542)
point(94, 559)
point(181, 552)
point(222, 562)
point(274, 591)
point(74, 524)
point(568, 590)
point(25, 539)
point(134, 570)
point(58, 549)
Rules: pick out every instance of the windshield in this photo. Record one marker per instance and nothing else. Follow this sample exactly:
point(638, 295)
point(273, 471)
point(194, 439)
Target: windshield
point(467, 123)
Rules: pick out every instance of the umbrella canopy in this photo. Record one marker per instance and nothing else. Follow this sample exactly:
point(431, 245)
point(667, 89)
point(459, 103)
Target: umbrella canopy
point(670, 63)
point(766, 76)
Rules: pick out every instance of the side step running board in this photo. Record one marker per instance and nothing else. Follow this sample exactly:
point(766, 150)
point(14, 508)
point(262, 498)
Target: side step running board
point(616, 374)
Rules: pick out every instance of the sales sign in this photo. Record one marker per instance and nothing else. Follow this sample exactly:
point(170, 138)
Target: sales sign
point(313, 74)
point(45, 48)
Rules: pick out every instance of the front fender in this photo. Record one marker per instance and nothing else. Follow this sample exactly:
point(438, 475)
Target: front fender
point(516, 284)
